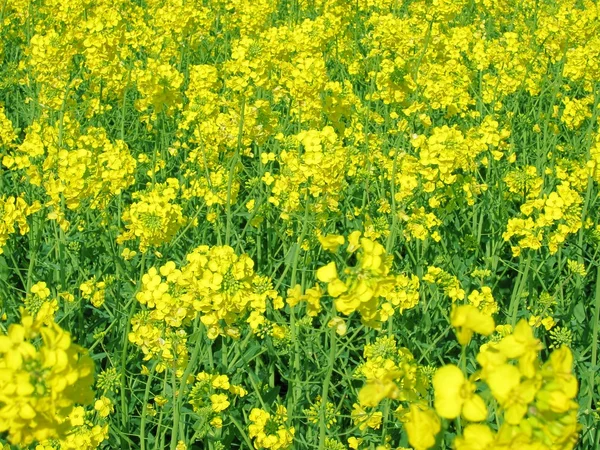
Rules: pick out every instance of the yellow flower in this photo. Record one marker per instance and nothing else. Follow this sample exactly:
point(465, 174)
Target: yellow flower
point(374, 391)
point(475, 437)
point(353, 241)
point(327, 273)
point(160, 400)
point(77, 416)
point(104, 406)
point(467, 319)
point(454, 395)
point(128, 254)
point(220, 382)
point(336, 288)
point(364, 419)
point(354, 442)
point(339, 324)
point(270, 431)
point(41, 368)
point(512, 394)
point(268, 178)
point(523, 345)
point(41, 290)
point(422, 425)
point(331, 242)
point(219, 402)
point(559, 392)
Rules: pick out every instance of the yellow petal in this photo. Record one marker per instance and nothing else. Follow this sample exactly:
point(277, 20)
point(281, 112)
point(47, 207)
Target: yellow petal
point(421, 425)
point(483, 324)
point(26, 412)
point(336, 288)
point(372, 393)
point(331, 242)
point(447, 384)
point(475, 437)
point(502, 380)
point(347, 304)
point(327, 273)
point(353, 241)
point(474, 409)
point(515, 413)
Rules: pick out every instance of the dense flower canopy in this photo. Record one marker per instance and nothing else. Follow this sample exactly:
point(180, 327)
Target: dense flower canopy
point(273, 224)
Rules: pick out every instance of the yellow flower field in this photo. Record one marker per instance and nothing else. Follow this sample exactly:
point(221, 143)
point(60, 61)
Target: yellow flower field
point(299, 224)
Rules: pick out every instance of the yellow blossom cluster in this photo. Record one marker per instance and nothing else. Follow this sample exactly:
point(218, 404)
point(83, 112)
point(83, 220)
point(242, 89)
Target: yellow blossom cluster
point(547, 220)
point(314, 194)
point(318, 173)
point(94, 291)
point(75, 168)
point(270, 431)
point(216, 285)
point(7, 132)
point(44, 375)
point(213, 394)
point(447, 282)
point(85, 434)
point(14, 212)
point(536, 400)
point(368, 287)
point(153, 218)
point(40, 304)
point(390, 372)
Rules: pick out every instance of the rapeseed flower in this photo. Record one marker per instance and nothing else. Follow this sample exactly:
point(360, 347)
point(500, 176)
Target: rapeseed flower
point(455, 395)
point(467, 319)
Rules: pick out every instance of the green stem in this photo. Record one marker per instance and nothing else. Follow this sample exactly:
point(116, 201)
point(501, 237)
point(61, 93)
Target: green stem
point(234, 162)
point(176, 415)
point(143, 418)
point(179, 394)
point(242, 432)
point(592, 374)
point(325, 392)
point(515, 298)
point(124, 411)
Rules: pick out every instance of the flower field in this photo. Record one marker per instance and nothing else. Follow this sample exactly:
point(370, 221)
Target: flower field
point(299, 224)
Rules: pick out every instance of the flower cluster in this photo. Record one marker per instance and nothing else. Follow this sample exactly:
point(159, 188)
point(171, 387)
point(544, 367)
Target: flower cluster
point(14, 211)
point(447, 282)
point(368, 287)
point(39, 303)
point(44, 376)
point(247, 140)
point(153, 218)
point(390, 372)
point(94, 291)
point(85, 434)
point(535, 399)
point(548, 220)
point(216, 285)
point(211, 395)
point(270, 431)
point(87, 169)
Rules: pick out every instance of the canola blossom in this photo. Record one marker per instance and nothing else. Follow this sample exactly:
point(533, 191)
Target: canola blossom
point(307, 224)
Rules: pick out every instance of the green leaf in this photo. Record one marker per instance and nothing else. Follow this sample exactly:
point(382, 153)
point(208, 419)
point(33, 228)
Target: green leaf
point(579, 312)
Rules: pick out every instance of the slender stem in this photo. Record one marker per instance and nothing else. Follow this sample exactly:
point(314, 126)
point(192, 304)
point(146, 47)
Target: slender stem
point(179, 394)
point(513, 308)
point(176, 397)
point(325, 392)
point(592, 374)
point(124, 354)
point(234, 162)
point(143, 418)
